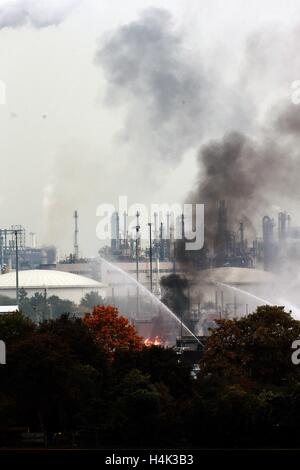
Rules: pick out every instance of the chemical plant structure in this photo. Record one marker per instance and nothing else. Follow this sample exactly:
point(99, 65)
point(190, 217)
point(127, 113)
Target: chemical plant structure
point(217, 275)
point(227, 278)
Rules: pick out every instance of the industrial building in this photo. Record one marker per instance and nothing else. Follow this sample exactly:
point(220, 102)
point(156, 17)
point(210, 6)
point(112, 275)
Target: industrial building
point(13, 245)
point(277, 250)
point(230, 260)
point(227, 245)
point(64, 285)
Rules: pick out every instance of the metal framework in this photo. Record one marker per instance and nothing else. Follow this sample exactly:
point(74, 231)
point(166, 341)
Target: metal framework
point(12, 241)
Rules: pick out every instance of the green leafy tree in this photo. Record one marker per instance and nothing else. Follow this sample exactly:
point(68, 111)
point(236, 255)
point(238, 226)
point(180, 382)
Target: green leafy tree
point(91, 299)
point(56, 372)
point(25, 304)
point(254, 348)
point(59, 306)
point(48, 383)
point(35, 307)
point(40, 306)
point(136, 408)
point(79, 338)
point(162, 365)
point(15, 326)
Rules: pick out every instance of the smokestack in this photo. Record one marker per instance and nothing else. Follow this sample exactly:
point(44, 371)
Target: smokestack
point(115, 231)
point(155, 226)
point(168, 226)
point(182, 227)
point(221, 245)
point(268, 226)
point(157, 289)
point(161, 242)
point(33, 239)
point(242, 236)
point(137, 248)
point(76, 247)
point(283, 224)
point(125, 228)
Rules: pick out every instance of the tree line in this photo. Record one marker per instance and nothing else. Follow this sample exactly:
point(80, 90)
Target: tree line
point(91, 382)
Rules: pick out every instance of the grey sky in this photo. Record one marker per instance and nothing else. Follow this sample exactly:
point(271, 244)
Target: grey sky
point(61, 141)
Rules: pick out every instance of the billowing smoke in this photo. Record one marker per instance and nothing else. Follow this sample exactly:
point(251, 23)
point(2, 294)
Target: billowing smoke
point(175, 101)
point(234, 169)
point(256, 169)
point(255, 176)
point(174, 293)
point(251, 175)
point(38, 14)
point(174, 98)
point(163, 85)
point(164, 91)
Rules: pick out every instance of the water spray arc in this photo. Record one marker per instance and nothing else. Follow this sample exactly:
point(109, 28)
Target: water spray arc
point(244, 292)
point(152, 297)
point(292, 308)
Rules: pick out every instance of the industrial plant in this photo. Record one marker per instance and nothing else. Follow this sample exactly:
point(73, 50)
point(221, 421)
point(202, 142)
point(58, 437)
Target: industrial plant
point(232, 274)
point(150, 232)
point(227, 278)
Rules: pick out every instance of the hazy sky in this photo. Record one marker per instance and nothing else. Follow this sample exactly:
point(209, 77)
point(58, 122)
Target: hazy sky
point(83, 120)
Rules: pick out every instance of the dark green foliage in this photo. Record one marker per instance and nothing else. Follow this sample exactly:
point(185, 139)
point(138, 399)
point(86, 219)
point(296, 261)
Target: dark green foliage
point(59, 306)
point(162, 366)
point(39, 307)
point(57, 379)
point(73, 332)
point(15, 326)
point(256, 348)
point(91, 299)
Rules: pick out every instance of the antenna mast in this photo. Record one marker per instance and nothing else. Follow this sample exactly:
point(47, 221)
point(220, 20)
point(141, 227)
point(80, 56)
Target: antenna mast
point(76, 247)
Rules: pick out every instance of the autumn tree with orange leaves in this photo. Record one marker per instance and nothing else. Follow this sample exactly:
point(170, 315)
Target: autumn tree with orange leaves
point(111, 330)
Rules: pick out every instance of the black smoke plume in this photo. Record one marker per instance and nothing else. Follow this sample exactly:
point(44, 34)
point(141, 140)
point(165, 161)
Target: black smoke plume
point(251, 175)
point(174, 293)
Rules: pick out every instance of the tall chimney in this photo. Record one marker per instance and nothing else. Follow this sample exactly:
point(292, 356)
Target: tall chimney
point(125, 228)
point(76, 247)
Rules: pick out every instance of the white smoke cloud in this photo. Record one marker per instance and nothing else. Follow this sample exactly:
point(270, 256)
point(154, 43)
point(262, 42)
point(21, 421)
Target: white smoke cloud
point(38, 14)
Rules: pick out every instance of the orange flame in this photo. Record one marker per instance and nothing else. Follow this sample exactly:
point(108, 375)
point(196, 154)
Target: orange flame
point(153, 342)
